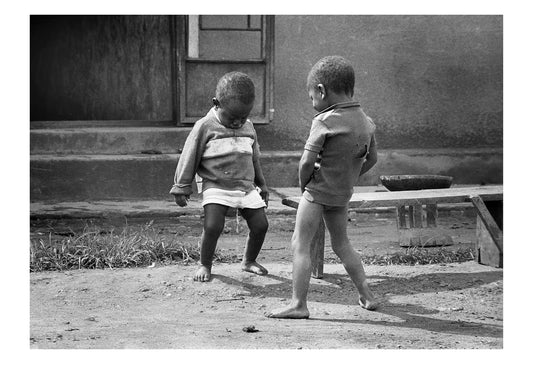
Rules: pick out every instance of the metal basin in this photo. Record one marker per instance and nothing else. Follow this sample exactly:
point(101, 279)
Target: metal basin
point(415, 182)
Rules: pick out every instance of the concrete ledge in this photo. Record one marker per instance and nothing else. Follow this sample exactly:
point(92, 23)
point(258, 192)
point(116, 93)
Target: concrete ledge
point(167, 207)
point(108, 140)
point(146, 176)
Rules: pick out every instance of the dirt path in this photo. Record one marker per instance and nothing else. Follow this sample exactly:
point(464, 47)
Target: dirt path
point(431, 306)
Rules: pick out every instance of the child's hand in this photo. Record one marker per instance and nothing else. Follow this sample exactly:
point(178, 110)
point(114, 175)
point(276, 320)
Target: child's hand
point(181, 199)
point(264, 196)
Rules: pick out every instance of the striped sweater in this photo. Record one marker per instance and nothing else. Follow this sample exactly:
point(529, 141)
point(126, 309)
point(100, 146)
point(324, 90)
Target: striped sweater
point(223, 157)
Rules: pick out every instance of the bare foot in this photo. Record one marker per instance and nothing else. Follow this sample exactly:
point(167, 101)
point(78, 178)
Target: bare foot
point(203, 274)
point(289, 312)
point(366, 298)
point(368, 304)
point(254, 268)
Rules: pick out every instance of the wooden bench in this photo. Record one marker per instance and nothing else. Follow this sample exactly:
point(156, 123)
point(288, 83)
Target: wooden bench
point(487, 200)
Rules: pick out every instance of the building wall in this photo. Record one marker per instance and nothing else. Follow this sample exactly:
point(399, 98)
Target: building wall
point(432, 84)
point(427, 81)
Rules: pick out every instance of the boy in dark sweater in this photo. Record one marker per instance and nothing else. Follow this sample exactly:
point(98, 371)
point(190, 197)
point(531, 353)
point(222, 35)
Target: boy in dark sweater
point(222, 149)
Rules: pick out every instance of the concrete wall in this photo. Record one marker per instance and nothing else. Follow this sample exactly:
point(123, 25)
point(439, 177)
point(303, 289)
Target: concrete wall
point(427, 81)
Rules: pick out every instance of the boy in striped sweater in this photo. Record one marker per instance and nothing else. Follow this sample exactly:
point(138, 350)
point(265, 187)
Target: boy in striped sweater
point(222, 149)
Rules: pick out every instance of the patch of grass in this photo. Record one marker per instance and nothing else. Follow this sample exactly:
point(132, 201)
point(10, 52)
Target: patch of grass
point(140, 247)
point(419, 256)
point(97, 249)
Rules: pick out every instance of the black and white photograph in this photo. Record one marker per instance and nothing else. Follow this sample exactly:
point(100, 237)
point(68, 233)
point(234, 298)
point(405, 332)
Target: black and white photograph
point(245, 180)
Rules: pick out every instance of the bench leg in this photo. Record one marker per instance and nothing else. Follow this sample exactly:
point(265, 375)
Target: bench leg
point(431, 215)
point(412, 232)
point(489, 232)
point(411, 217)
point(317, 252)
point(400, 217)
point(417, 216)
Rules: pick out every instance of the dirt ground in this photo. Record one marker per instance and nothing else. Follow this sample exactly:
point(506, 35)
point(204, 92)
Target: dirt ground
point(438, 306)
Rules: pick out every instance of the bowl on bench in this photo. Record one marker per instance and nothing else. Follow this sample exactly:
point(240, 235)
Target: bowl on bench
point(415, 182)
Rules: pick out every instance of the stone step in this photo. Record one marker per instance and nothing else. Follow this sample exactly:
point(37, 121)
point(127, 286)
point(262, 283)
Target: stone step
point(87, 177)
point(98, 177)
point(108, 140)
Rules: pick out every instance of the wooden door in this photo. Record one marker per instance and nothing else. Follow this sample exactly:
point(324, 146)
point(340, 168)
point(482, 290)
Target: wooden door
point(102, 69)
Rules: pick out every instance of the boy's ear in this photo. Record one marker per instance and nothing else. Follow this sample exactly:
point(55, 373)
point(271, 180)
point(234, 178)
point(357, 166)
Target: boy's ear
point(322, 90)
point(216, 102)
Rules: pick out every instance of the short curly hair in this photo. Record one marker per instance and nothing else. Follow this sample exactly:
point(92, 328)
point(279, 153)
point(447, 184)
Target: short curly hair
point(235, 86)
point(335, 73)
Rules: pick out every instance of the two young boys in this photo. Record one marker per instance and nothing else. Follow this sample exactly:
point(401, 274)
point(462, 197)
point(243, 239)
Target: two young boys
point(341, 139)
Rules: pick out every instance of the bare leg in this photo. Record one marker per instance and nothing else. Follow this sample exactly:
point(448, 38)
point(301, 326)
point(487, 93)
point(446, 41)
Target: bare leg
point(214, 218)
point(336, 221)
point(307, 220)
point(258, 225)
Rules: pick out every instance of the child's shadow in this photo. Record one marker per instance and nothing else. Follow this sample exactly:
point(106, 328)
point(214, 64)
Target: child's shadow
point(339, 289)
point(282, 289)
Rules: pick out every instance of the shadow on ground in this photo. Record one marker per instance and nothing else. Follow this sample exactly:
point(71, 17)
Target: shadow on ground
point(409, 315)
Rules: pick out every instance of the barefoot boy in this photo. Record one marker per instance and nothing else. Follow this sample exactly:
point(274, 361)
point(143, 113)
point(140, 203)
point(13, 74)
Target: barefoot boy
point(341, 147)
point(222, 149)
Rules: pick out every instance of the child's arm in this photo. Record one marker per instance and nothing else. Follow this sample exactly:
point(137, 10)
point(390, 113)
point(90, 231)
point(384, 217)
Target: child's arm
point(371, 158)
point(306, 168)
point(260, 182)
point(313, 147)
point(259, 179)
point(187, 166)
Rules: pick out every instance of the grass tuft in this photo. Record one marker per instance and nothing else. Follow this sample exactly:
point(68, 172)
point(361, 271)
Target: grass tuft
point(419, 256)
point(141, 247)
point(94, 249)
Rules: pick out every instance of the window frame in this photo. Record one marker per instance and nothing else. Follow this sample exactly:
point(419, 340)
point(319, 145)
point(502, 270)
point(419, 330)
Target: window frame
point(267, 59)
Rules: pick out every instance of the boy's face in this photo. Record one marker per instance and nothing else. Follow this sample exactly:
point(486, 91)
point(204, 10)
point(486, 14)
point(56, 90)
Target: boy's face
point(234, 114)
point(318, 98)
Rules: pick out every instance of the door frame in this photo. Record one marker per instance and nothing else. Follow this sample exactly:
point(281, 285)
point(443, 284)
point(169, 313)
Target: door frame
point(267, 60)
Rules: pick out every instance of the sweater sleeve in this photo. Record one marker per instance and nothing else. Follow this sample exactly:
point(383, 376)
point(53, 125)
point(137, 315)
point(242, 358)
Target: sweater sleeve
point(188, 161)
point(256, 154)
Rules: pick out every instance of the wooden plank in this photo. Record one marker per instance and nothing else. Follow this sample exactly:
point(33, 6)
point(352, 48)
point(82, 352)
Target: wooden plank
point(414, 197)
point(400, 216)
point(488, 222)
point(317, 252)
point(487, 252)
point(431, 215)
point(291, 201)
point(417, 216)
point(495, 232)
point(105, 67)
point(410, 217)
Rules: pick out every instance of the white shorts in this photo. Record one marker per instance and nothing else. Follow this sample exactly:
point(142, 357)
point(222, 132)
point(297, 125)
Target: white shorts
point(233, 198)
